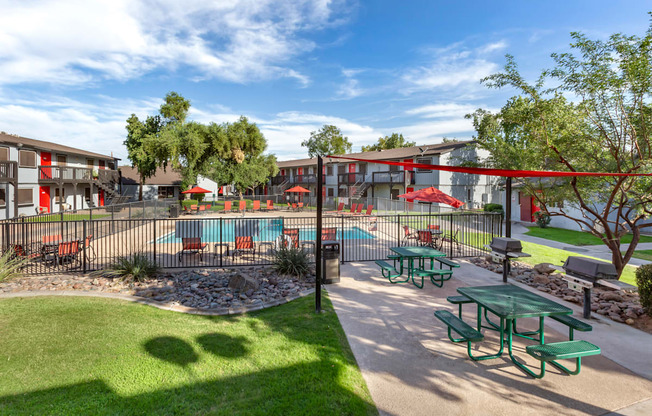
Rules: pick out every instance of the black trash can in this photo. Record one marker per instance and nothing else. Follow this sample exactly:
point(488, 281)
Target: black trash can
point(174, 211)
point(330, 262)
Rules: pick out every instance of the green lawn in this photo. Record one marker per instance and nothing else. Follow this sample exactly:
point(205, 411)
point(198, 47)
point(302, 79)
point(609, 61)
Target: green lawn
point(66, 217)
point(65, 356)
point(545, 254)
point(643, 254)
point(576, 238)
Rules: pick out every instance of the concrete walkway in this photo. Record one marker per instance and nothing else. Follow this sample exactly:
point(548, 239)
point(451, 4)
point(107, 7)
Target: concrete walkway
point(598, 251)
point(411, 368)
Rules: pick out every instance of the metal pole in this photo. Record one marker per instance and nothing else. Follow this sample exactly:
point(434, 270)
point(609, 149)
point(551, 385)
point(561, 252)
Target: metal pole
point(318, 268)
point(508, 208)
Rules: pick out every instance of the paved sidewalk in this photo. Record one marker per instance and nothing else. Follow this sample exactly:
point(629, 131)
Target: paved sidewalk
point(411, 368)
point(598, 251)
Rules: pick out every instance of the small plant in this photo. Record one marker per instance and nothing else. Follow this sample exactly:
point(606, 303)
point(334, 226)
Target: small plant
point(497, 208)
point(644, 283)
point(292, 261)
point(542, 219)
point(135, 268)
point(10, 266)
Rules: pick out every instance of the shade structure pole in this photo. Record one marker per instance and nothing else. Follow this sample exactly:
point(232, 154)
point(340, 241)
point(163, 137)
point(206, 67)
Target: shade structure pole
point(508, 208)
point(318, 268)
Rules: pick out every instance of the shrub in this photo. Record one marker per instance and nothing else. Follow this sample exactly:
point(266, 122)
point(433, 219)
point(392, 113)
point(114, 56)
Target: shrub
point(135, 268)
point(644, 283)
point(493, 208)
point(542, 219)
point(10, 266)
point(292, 261)
point(189, 202)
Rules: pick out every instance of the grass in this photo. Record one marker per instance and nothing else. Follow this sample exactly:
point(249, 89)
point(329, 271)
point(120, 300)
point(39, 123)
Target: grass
point(576, 238)
point(65, 355)
point(555, 256)
point(66, 217)
point(643, 254)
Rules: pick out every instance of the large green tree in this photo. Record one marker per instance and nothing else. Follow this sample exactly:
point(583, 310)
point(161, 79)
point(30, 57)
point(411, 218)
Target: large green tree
point(394, 141)
point(144, 162)
point(327, 141)
point(603, 126)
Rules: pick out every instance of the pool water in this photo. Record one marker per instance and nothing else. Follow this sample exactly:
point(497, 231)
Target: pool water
point(261, 229)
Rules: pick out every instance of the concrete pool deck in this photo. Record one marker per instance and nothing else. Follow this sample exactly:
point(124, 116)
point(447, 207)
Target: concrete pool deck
point(411, 368)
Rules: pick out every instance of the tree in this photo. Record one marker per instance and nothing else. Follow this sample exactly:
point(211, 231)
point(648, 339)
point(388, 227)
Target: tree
point(144, 162)
point(606, 129)
point(327, 141)
point(394, 141)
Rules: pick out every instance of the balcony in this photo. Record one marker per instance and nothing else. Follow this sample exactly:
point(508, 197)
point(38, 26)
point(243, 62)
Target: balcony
point(350, 178)
point(278, 179)
point(397, 177)
point(69, 174)
point(8, 171)
point(309, 178)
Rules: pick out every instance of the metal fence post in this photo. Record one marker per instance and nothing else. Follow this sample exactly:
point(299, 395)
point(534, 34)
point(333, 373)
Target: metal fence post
point(221, 246)
point(154, 223)
point(84, 246)
point(450, 251)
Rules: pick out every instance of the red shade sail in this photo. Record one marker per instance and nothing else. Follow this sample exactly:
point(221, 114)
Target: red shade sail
point(298, 189)
point(433, 194)
point(196, 190)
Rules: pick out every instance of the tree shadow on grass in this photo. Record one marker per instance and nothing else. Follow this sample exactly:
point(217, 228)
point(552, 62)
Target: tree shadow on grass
point(172, 350)
point(224, 345)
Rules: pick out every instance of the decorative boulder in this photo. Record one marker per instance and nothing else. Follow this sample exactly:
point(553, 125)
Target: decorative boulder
point(242, 283)
point(544, 268)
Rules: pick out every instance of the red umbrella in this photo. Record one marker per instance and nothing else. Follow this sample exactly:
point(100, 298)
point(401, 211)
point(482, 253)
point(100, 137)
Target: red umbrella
point(298, 189)
point(196, 190)
point(431, 195)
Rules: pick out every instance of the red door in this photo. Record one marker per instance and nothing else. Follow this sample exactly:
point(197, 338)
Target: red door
point(299, 174)
point(410, 201)
point(101, 197)
point(46, 160)
point(44, 198)
point(102, 164)
point(527, 207)
point(352, 173)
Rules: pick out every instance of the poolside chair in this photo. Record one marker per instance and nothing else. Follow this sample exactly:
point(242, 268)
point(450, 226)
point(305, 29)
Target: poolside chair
point(293, 233)
point(289, 206)
point(425, 238)
point(409, 235)
point(242, 206)
point(53, 238)
point(352, 211)
point(256, 206)
point(329, 234)
point(244, 244)
point(202, 208)
point(450, 238)
point(192, 245)
point(21, 251)
point(300, 206)
point(294, 207)
point(65, 252)
point(367, 213)
point(270, 205)
point(89, 249)
point(194, 209)
point(227, 206)
point(340, 207)
point(433, 227)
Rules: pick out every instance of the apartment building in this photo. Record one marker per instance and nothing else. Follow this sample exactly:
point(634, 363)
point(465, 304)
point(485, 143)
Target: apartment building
point(164, 184)
point(38, 177)
point(353, 179)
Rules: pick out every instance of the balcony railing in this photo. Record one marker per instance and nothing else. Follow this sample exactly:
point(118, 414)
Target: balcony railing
point(350, 178)
point(396, 177)
point(8, 171)
point(69, 174)
point(279, 179)
point(308, 178)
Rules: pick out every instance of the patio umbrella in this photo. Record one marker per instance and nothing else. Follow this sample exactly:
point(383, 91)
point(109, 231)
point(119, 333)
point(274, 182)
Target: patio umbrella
point(431, 195)
point(196, 190)
point(298, 189)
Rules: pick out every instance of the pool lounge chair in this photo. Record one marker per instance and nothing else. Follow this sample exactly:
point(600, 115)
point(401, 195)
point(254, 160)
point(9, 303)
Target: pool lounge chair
point(242, 207)
point(367, 213)
point(293, 233)
point(340, 207)
point(409, 235)
point(227, 207)
point(256, 206)
point(244, 244)
point(352, 211)
point(270, 205)
point(192, 245)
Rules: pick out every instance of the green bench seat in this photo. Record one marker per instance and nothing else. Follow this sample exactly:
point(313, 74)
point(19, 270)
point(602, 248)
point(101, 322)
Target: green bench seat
point(395, 258)
point(388, 271)
point(437, 276)
point(573, 324)
point(444, 261)
point(468, 333)
point(560, 351)
point(459, 300)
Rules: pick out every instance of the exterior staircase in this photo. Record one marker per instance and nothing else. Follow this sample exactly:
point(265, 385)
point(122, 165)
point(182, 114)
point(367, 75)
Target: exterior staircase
point(107, 180)
point(361, 186)
point(279, 189)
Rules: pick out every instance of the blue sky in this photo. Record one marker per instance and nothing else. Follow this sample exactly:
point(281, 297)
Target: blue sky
point(72, 71)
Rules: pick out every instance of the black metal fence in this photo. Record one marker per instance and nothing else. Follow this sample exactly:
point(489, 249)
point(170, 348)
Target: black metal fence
point(89, 245)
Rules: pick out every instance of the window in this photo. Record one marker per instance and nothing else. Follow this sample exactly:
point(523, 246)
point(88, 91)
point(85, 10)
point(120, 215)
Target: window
point(58, 199)
point(2, 198)
point(27, 159)
point(4, 153)
point(25, 196)
point(165, 192)
point(468, 195)
point(393, 168)
point(329, 171)
point(62, 160)
point(90, 163)
point(330, 192)
point(424, 160)
point(341, 169)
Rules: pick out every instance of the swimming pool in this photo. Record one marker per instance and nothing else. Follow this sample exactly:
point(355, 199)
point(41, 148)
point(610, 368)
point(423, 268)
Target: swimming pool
point(260, 229)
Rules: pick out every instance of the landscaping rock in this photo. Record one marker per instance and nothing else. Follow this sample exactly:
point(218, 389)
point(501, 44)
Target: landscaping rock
point(242, 283)
point(543, 268)
point(541, 279)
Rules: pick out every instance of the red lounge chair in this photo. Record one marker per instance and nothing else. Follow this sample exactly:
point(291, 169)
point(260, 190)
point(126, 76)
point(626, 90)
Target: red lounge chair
point(227, 206)
point(300, 206)
point(294, 207)
point(340, 207)
point(353, 207)
point(409, 235)
point(90, 251)
point(192, 245)
point(289, 206)
point(244, 244)
point(49, 239)
point(202, 208)
point(65, 252)
point(270, 205)
point(328, 234)
point(367, 213)
point(425, 238)
point(243, 206)
point(433, 227)
point(256, 206)
point(293, 233)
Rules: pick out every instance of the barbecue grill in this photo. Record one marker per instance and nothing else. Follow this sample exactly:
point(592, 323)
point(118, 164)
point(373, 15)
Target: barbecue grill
point(583, 273)
point(505, 249)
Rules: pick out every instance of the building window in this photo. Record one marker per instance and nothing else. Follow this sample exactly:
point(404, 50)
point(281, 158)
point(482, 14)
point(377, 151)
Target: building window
point(468, 194)
point(341, 169)
point(4, 153)
point(329, 170)
point(25, 196)
point(2, 198)
point(57, 198)
point(62, 160)
point(393, 168)
point(27, 158)
point(90, 163)
point(424, 160)
point(330, 192)
point(165, 192)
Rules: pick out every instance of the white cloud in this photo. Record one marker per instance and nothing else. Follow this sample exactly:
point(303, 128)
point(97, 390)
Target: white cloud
point(442, 110)
point(76, 41)
point(492, 47)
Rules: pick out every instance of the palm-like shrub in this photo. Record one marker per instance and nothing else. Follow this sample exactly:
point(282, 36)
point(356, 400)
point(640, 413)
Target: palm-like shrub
point(133, 268)
point(292, 261)
point(10, 266)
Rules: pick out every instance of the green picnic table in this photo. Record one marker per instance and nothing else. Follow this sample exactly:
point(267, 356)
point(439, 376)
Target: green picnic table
point(510, 303)
point(419, 253)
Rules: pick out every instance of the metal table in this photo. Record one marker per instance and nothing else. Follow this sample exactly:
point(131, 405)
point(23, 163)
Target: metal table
point(411, 253)
point(510, 303)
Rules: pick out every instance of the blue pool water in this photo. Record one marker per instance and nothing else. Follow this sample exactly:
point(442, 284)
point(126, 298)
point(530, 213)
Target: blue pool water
point(261, 229)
